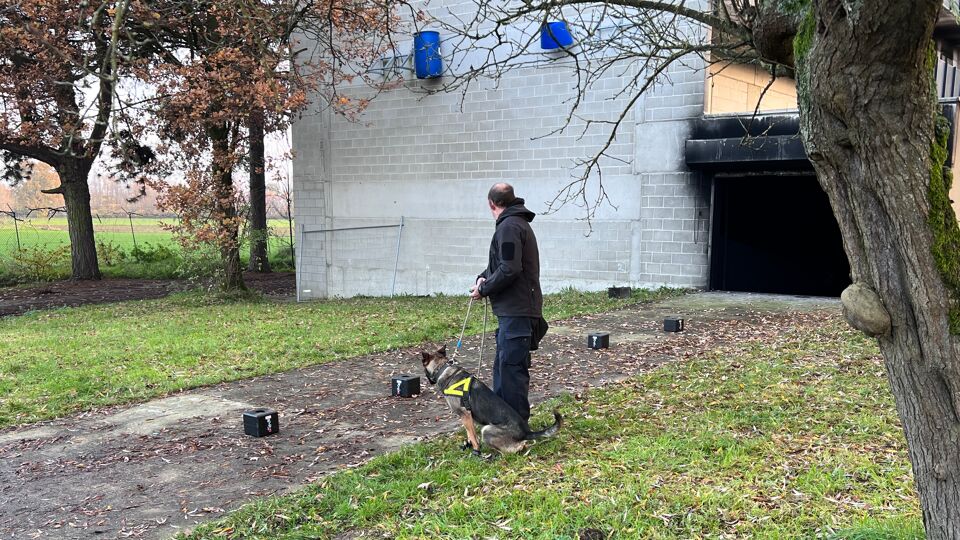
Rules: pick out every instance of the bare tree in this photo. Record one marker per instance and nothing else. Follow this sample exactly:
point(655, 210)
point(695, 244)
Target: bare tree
point(869, 122)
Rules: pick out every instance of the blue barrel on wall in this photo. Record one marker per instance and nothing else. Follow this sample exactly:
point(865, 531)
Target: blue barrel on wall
point(427, 61)
point(554, 35)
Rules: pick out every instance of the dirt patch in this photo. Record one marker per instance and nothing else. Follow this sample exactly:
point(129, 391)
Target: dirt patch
point(159, 468)
point(19, 300)
point(275, 284)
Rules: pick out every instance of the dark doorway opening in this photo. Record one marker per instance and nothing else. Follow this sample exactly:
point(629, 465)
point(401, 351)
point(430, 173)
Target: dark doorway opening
point(776, 234)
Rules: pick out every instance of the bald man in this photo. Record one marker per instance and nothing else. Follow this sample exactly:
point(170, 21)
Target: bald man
point(512, 282)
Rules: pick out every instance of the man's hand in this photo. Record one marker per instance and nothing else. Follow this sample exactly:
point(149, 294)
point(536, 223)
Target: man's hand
point(475, 291)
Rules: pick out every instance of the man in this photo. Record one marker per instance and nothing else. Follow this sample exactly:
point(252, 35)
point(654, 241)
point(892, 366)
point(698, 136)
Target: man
point(512, 282)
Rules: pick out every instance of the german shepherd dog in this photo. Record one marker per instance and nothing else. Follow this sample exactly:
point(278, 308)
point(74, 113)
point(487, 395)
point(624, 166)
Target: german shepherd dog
point(471, 400)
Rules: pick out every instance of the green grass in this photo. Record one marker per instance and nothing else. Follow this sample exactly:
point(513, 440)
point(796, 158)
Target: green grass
point(40, 238)
point(68, 360)
point(43, 232)
point(795, 438)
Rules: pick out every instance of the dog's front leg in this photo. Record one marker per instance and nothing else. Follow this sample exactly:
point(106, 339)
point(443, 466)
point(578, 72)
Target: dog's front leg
point(467, 418)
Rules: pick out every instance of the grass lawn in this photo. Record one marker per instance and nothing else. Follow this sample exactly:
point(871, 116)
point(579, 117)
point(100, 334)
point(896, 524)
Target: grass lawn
point(45, 253)
point(795, 437)
point(68, 360)
point(40, 231)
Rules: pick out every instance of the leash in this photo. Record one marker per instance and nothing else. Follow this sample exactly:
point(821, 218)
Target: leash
point(462, 330)
point(483, 335)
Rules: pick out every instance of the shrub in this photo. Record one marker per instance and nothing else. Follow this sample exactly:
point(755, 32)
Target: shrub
point(36, 264)
point(281, 259)
point(110, 254)
point(150, 253)
point(201, 266)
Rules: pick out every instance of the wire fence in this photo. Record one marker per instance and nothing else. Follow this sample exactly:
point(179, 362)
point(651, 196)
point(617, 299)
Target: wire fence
point(22, 232)
point(18, 231)
point(357, 261)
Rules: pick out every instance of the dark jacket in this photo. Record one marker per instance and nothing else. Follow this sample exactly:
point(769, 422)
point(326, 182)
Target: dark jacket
point(513, 272)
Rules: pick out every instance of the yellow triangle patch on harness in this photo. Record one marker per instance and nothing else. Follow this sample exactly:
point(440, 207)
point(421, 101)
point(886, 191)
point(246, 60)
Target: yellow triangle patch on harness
point(459, 388)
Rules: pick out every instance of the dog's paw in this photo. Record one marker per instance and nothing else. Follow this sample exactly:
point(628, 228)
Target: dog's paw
point(485, 457)
point(466, 445)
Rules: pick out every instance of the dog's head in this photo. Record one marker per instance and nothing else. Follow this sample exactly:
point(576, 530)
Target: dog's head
point(433, 363)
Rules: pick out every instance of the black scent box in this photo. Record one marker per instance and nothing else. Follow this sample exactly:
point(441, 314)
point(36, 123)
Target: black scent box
point(619, 292)
point(405, 386)
point(261, 422)
point(673, 324)
point(600, 340)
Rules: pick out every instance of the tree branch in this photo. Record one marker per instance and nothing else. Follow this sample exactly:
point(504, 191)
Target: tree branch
point(718, 23)
point(39, 152)
point(108, 83)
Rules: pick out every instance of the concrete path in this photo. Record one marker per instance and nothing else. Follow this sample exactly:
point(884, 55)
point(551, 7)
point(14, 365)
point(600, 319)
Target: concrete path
point(158, 468)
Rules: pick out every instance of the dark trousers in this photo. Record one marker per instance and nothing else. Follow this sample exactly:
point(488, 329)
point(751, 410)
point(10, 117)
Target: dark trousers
point(511, 367)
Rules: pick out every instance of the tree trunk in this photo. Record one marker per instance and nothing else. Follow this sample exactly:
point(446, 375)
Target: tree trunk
point(233, 273)
point(868, 122)
point(259, 234)
point(226, 211)
point(76, 197)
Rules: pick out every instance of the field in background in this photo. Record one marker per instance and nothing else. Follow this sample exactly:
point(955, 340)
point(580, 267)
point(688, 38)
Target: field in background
point(38, 250)
point(52, 233)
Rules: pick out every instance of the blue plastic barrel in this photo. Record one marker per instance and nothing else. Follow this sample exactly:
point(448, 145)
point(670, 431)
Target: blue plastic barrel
point(555, 35)
point(426, 54)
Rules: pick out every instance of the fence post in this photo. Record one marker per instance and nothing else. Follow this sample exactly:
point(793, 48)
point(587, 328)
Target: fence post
point(299, 253)
point(130, 217)
point(290, 229)
point(16, 227)
point(16, 230)
point(396, 261)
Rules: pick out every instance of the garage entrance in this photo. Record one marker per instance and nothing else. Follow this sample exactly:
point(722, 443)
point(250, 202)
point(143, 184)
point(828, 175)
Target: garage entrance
point(775, 234)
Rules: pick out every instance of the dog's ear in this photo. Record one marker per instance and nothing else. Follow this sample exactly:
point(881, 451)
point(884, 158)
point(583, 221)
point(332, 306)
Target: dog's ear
point(426, 356)
point(443, 350)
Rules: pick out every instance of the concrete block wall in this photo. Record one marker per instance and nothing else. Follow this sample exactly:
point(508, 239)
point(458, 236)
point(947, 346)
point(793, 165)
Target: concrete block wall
point(432, 158)
point(675, 203)
point(446, 255)
point(310, 185)
point(674, 244)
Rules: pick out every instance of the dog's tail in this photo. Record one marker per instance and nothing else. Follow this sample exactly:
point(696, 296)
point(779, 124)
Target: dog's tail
point(550, 431)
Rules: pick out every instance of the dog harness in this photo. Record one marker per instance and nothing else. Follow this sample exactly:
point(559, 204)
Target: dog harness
point(461, 389)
